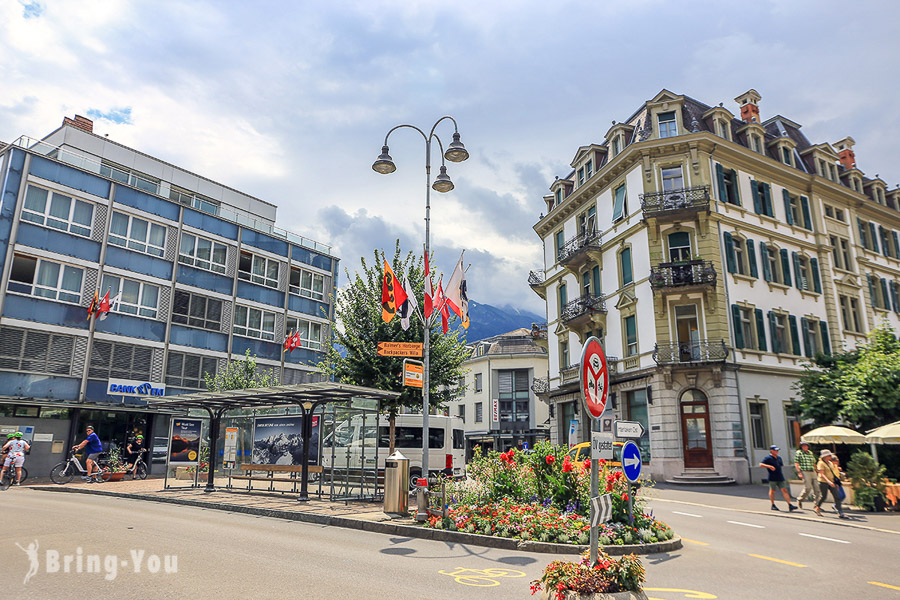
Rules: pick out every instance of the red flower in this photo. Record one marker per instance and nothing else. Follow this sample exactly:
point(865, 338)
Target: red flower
point(587, 465)
point(550, 458)
point(625, 497)
point(567, 465)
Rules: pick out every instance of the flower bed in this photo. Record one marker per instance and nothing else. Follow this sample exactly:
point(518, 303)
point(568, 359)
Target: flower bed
point(608, 576)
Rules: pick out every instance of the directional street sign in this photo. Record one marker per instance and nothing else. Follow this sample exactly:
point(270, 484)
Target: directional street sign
point(399, 349)
point(601, 509)
point(594, 377)
point(602, 445)
point(633, 430)
point(631, 461)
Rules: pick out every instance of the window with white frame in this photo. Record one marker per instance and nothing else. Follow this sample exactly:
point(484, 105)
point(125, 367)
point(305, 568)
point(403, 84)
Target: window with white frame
point(748, 328)
point(758, 428)
point(202, 253)
point(310, 332)
point(631, 340)
point(617, 145)
point(258, 269)
point(307, 284)
point(479, 412)
point(138, 298)
point(840, 250)
point(254, 322)
point(478, 384)
point(137, 234)
point(45, 279)
point(850, 313)
point(804, 273)
point(588, 169)
point(58, 211)
point(667, 124)
point(672, 179)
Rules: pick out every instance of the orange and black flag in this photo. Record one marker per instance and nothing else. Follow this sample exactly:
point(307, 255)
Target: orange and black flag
point(94, 304)
point(392, 294)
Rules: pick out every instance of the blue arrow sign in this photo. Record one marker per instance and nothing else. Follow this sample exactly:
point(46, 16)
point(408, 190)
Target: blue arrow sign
point(631, 461)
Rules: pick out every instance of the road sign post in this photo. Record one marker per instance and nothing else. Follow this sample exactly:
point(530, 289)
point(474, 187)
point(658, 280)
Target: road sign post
point(631, 466)
point(594, 390)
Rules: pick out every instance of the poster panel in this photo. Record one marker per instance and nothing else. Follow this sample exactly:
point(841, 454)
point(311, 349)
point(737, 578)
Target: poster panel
point(229, 457)
point(184, 447)
point(279, 441)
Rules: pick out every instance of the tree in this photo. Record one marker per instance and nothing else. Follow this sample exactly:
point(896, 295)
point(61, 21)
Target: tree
point(239, 375)
point(358, 309)
point(860, 387)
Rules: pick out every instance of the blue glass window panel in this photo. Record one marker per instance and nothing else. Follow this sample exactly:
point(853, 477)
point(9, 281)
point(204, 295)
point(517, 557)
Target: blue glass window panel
point(96, 391)
point(303, 356)
point(138, 263)
point(204, 279)
point(307, 306)
point(198, 338)
point(9, 197)
point(45, 311)
point(74, 178)
point(147, 203)
point(264, 242)
point(311, 258)
point(210, 223)
point(134, 327)
point(269, 350)
point(51, 387)
point(258, 293)
point(56, 241)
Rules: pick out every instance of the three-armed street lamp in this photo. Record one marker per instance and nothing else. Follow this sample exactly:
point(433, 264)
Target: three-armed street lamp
point(456, 152)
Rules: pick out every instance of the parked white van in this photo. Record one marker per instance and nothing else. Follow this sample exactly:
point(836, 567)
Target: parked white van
point(355, 447)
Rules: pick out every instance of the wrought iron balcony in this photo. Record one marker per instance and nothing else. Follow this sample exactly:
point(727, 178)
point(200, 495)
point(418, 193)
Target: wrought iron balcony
point(583, 306)
point(575, 251)
point(682, 274)
point(675, 202)
point(540, 385)
point(535, 278)
point(701, 351)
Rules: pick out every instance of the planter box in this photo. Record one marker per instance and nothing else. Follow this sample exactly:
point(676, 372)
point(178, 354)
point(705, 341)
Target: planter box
point(545, 595)
point(116, 476)
point(184, 474)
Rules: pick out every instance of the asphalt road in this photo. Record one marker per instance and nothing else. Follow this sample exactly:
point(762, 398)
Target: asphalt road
point(223, 555)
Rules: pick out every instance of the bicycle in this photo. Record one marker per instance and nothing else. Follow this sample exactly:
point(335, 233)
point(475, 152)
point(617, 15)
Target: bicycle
point(3, 484)
point(66, 471)
point(139, 472)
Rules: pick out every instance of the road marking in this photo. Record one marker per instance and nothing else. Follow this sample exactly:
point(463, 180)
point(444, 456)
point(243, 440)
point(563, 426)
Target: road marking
point(687, 514)
point(687, 593)
point(884, 585)
point(778, 560)
point(819, 537)
point(684, 539)
point(481, 577)
point(747, 524)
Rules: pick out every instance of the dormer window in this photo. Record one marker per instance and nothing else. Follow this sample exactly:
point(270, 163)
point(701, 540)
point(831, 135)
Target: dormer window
point(589, 169)
point(724, 129)
point(617, 145)
point(667, 125)
point(559, 196)
point(786, 156)
point(755, 143)
point(581, 176)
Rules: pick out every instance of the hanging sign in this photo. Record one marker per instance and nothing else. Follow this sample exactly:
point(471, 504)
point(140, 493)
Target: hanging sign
point(413, 373)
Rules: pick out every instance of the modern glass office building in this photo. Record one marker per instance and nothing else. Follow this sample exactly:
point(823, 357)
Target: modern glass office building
point(202, 273)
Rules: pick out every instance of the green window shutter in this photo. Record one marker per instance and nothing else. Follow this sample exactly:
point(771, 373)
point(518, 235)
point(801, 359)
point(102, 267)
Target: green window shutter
point(757, 201)
point(871, 290)
point(768, 208)
point(884, 242)
point(788, 215)
point(795, 338)
point(817, 282)
point(734, 192)
point(720, 179)
point(896, 244)
point(738, 328)
point(785, 267)
point(563, 297)
point(776, 347)
point(764, 257)
point(798, 283)
point(625, 257)
point(807, 215)
point(595, 272)
point(826, 341)
point(730, 259)
point(862, 233)
point(807, 346)
point(884, 294)
point(619, 206)
point(751, 258)
point(895, 297)
point(874, 238)
point(760, 330)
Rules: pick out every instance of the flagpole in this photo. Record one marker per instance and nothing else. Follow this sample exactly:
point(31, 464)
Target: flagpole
point(426, 359)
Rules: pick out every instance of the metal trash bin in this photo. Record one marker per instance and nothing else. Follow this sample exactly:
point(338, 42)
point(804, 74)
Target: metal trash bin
point(396, 484)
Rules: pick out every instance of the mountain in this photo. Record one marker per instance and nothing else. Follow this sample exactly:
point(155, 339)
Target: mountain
point(487, 321)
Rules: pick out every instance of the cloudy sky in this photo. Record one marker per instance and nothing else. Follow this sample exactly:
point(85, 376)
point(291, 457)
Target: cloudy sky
point(290, 101)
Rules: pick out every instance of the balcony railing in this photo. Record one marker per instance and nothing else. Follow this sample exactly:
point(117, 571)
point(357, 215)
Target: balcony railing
point(586, 240)
point(540, 385)
point(569, 374)
point(535, 278)
point(612, 364)
point(701, 351)
point(682, 274)
point(675, 201)
point(580, 306)
point(538, 331)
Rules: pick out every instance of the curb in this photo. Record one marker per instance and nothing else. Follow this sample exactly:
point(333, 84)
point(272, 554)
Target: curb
point(440, 535)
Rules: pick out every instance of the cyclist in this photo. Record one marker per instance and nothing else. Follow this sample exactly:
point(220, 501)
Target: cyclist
point(94, 448)
point(134, 449)
point(15, 448)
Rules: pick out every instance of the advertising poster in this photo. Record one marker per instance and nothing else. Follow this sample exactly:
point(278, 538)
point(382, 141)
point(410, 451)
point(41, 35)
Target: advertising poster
point(229, 458)
point(573, 432)
point(185, 444)
point(279, 441)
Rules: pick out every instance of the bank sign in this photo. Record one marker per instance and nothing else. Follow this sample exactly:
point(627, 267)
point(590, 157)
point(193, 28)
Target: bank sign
point(130, 387)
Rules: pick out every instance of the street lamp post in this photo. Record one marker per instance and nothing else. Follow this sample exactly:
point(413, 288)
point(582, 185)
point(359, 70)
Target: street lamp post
point(456, 152)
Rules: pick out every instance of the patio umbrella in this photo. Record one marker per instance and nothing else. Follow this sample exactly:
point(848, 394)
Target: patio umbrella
point(834, 435)
point(886, 434)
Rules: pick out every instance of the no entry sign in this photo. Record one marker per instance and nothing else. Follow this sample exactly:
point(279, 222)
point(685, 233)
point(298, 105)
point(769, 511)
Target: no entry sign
point(594, 377)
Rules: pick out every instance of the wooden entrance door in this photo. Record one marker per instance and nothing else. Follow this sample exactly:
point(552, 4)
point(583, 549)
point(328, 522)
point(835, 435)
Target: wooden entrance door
point(696, 440)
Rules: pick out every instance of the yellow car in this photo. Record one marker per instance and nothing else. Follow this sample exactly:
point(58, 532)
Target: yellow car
point(582, 452)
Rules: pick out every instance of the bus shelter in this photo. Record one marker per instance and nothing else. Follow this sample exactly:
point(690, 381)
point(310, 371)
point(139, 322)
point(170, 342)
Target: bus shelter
point(309, 397)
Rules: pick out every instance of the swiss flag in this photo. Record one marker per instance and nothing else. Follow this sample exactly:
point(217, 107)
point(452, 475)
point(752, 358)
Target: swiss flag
point(103, 309)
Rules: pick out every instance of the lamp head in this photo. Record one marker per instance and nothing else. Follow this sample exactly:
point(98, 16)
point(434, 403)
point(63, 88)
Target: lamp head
point(384, 165)
point(307, 405)
point(456, 152)
point(442, 182)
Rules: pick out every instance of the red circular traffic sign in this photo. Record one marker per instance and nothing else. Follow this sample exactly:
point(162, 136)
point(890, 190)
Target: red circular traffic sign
point(594, 377)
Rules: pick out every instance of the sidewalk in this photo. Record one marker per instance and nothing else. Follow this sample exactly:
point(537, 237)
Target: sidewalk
point(755, 499)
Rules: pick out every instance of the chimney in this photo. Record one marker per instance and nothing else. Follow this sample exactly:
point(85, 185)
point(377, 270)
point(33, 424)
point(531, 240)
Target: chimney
point(845, 151)
point(80, 122)
point(749, 103)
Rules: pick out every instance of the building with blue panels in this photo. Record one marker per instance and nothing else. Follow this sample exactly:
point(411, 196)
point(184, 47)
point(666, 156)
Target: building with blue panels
point(203, 272)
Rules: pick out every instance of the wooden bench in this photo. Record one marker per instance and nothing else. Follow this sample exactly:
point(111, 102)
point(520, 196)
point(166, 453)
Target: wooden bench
point(294, 474)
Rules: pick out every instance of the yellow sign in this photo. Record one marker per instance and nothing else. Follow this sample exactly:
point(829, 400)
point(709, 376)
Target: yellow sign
point(192, 455)
point(399, 349)
point(413, 373)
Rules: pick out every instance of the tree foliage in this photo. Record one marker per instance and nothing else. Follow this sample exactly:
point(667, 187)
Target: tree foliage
point(239, 375)
point(860, 387)
point(358, 309)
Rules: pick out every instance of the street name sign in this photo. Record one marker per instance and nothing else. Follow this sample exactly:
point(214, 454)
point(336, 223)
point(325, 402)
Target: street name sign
point(413, 373)
point(632, 430)
point(601, 509)
point(631, 461)
point(602, 445)
point(399, 349)
point(594, 377)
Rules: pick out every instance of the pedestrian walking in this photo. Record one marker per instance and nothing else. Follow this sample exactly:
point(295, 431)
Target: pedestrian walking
point(775, 465)
point(829, 476)
point(805, 463)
